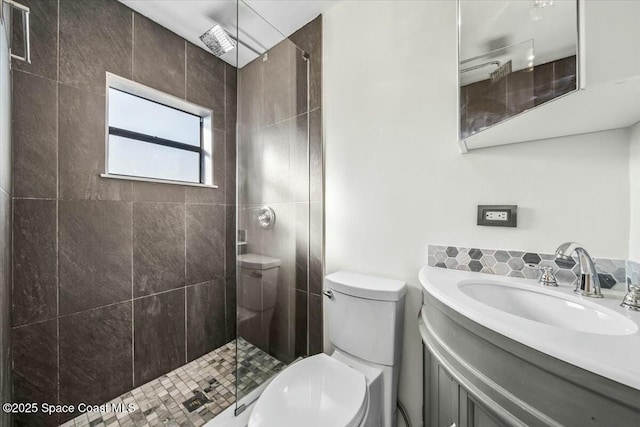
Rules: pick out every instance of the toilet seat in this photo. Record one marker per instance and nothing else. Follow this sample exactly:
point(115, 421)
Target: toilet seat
point(317, 391)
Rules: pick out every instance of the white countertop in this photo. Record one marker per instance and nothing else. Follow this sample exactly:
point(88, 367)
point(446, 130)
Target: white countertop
point(616, 357)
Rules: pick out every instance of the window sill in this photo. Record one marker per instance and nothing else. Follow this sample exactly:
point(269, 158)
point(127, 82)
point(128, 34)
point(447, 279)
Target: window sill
point(157, 181)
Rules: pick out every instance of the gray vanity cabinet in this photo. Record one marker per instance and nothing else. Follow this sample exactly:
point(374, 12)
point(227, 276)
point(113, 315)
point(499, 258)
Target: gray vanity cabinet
point(475, 377)
point(447, 403)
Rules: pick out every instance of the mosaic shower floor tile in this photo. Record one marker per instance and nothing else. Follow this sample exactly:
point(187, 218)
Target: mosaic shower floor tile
point(210, 379)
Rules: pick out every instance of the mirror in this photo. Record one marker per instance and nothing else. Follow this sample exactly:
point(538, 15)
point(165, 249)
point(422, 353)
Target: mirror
point(513, 57)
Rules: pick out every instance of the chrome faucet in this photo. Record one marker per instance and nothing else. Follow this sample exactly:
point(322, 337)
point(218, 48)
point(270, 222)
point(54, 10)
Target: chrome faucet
point(588, 282)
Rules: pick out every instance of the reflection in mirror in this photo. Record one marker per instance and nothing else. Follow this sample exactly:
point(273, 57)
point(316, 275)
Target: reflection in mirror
point(514, 56)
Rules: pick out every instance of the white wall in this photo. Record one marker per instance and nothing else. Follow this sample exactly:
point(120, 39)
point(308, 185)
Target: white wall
point(395, 180)
point(634, 182)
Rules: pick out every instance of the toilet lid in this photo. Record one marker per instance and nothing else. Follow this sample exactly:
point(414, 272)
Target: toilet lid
point(318, 391)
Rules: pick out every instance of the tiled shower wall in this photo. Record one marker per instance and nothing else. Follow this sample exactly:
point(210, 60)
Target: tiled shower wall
point(274, 120)
point(114, 282)
point(5, 224)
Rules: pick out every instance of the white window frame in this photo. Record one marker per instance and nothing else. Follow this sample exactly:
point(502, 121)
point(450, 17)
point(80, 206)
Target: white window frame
point(134, 88)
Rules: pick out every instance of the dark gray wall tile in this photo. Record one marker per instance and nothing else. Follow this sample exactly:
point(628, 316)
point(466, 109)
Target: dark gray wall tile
point(205, 83)
point(152, 192)
point(282, 325)
point(230, 242)
point(316, 154)
point(564, 76)
point(520, 95)
point(95, 354)
point(250, 165)
point(34, 261)
point(34, 136)
point(158, 247)
point(212, 195)
point(81, 141)
point(230, 168)
point(205, 243)
point(316, 271)
point(486, 104)
point(279, 242)
point(231, 96)
point(5, 301)
point(205, 318)
point(95, 37)
point(543, 83)
point(250, 97)
point(301, 81)
point(309, 39)
point(279, 83)
point(299, 159)
point(43, 35)
point(300, 314)
point(302, 246)
point(275, 168)
point(159, 335)
point(158, 57)
point(230, 309)
point(316, 342)
point(35, 367)
point(95, 254)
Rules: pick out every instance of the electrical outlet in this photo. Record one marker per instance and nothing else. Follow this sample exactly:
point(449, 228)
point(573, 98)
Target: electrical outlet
point(498, 215)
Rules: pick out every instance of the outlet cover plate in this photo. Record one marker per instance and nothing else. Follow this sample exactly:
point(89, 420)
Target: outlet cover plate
point(505, 215)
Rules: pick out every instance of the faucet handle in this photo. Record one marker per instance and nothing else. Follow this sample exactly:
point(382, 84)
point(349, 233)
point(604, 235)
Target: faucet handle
point(632, 300)
point(547, 278)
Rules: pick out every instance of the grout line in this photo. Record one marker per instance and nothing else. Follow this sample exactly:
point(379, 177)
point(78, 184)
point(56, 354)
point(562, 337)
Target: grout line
point(62, 316)
point(308, 203)
point(185, 70)
point(58, 208)
point(133, 312)
point(58, 47)
point(186, 330)
point(133, 42)
point(185, 278)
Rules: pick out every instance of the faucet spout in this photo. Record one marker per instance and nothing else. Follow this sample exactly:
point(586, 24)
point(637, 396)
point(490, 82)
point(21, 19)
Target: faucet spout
point(588, 282)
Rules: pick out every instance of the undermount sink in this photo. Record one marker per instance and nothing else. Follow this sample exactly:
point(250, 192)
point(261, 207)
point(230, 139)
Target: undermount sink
point(550, 309)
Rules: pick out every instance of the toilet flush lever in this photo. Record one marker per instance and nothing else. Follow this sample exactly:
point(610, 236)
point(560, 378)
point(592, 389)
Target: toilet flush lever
point(328, 294)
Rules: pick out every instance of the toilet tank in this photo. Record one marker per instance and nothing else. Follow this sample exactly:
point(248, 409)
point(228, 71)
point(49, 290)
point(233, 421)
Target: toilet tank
point(366, 316)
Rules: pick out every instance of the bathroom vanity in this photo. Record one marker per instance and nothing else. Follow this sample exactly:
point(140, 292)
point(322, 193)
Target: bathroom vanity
point(502, 351)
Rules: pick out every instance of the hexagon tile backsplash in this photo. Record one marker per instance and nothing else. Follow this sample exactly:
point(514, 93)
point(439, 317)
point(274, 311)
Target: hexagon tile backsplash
point(514, 264)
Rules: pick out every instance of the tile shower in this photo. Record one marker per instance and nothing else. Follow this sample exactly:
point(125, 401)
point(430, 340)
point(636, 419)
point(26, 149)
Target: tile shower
point(118, 284)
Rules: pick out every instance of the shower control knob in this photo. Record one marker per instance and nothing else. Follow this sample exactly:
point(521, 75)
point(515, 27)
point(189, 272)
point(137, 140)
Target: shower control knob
point(266, 217)
point(328, 294)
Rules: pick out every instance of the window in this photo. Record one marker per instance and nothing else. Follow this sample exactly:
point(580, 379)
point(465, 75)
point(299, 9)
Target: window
point(154, 136)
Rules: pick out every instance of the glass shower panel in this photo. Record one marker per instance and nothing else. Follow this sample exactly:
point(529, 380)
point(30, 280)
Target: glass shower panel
point(272, 203)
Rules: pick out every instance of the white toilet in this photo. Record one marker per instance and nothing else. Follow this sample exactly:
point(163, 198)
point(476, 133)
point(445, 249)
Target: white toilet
point(257, 288)
point(357, 385)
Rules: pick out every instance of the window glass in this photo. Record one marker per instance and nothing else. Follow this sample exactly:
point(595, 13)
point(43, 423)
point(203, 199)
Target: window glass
point(142, 159)
point(140, 115)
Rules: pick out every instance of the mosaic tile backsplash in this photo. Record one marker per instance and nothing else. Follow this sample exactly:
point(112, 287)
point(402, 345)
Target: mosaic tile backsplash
point(633, 272)
point(612, 272)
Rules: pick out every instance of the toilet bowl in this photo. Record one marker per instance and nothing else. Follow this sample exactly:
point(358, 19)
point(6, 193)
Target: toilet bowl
point(357, 385)
point(318, 391)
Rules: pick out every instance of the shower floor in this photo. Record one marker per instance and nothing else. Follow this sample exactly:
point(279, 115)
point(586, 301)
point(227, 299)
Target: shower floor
point(160, 402)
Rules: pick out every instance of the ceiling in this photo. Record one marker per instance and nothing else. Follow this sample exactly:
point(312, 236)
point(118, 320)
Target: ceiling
point(262, 23)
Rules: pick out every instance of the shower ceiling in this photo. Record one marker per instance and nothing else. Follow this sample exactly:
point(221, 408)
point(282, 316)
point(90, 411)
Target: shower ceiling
point(191, 18)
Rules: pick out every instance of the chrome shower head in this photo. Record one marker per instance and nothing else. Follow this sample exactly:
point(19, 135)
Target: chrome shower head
point(218, 40)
